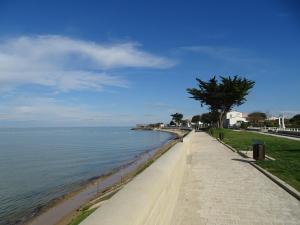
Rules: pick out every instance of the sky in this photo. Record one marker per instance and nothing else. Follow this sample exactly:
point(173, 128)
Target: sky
point(119, 63)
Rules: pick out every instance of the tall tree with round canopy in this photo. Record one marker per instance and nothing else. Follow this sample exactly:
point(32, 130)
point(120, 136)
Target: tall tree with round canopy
point(221, 96)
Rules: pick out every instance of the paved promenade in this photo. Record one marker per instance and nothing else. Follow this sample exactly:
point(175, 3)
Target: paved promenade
point(220, 188)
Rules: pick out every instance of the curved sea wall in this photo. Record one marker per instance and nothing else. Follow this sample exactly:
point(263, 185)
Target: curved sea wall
point(151, 196)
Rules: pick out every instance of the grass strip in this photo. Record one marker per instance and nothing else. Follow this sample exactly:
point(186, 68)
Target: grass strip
point(83, 214)
point(286, 152)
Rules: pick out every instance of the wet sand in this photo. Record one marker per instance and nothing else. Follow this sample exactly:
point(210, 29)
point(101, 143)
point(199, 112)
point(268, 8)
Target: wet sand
point(66, 208)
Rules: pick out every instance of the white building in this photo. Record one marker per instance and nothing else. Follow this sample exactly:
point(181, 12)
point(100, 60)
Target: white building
point(197, 123)
point(161, 125)
point(186, 123)
point(273, 118)
point(234, 118)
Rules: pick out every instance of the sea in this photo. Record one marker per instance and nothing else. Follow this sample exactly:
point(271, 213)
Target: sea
point(38, 165)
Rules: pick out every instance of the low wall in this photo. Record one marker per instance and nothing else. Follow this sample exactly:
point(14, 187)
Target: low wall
point(151, 196)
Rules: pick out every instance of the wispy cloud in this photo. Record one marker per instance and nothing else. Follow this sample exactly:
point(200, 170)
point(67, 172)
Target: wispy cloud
point(50, 111)
point(224, 53)
point(65, 64)
point(62, 80)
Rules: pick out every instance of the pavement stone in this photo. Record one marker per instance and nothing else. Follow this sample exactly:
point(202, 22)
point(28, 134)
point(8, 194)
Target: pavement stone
point(220, 187)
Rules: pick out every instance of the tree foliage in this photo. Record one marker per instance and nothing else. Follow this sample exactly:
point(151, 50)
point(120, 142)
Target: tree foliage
point(295, 120)
point(244, 125)
point(177, 118)
point(257, 117)
point(210, 118)
point(196, 118)
point(172, 123)
point(221, 96)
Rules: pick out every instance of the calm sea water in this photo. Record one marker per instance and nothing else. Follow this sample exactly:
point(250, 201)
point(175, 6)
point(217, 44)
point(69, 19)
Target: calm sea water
point(40, 164)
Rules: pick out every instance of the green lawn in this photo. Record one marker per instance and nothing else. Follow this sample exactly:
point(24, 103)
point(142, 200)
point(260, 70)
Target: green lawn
point(285, 151)
point(83, 214)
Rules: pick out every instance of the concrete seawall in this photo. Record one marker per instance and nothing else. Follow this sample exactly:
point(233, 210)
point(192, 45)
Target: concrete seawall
point(151, 196)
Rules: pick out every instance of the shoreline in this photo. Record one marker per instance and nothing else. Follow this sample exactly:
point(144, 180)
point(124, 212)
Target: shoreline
point(62, 210)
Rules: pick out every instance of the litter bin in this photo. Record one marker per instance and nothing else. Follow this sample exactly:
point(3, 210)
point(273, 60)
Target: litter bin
point(259, 151)
point(221, 136)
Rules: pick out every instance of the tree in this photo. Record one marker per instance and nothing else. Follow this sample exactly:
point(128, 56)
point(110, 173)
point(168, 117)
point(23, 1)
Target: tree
point(221, 96)
point(257, 118)
point(244, 125)
point(210, 118)
point(196, 118)
point(172, 123)
point(295, 121)
point(185, 123)
point(274, 123)
point(177, 118)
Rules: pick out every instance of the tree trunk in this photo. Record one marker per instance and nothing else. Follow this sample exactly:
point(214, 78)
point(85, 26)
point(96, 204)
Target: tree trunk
point(221, 118)
point(220, 122)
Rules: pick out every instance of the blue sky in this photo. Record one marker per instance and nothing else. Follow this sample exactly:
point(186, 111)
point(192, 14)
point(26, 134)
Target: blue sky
point(99, 63)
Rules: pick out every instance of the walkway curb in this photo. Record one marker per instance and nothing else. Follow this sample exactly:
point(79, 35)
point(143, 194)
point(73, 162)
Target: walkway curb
point(292, 191)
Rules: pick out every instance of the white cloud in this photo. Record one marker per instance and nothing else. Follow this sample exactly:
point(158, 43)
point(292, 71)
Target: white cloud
point(223, 53)
point(44, 111)
point(66, 64)
point(62, 80)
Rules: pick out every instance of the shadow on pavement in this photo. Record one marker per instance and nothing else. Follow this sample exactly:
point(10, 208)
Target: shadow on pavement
point(243, 160)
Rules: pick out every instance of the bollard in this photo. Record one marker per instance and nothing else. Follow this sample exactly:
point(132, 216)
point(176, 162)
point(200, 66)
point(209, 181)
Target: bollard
point(259, 151)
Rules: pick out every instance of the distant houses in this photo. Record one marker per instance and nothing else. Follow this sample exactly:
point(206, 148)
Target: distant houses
point(150, 126)
point(235, 119)
point(198, 123)
point(186, 123)
point(272, 118)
